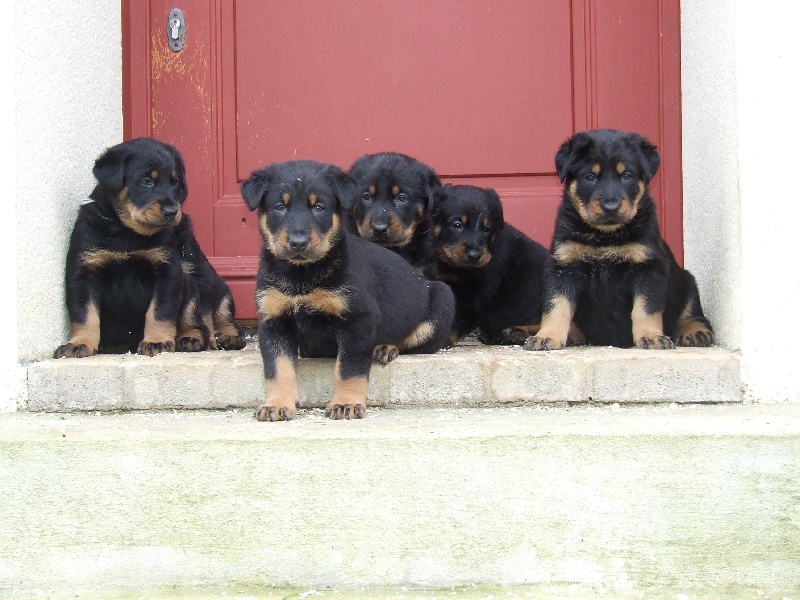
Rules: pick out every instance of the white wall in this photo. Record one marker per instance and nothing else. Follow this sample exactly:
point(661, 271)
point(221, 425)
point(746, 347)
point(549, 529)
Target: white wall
point(12, 376)
point(712, 238)
point(767, 71)
point(740, 65)
point(68, 105)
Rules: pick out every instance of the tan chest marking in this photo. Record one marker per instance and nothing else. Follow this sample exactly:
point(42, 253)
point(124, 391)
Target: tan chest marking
point(97, 259)
point(570, 252)
point(273, 303)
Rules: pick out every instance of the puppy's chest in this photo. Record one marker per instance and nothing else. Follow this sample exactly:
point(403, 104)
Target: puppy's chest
point(276, 301)
point(602, 256)
point(104, 258)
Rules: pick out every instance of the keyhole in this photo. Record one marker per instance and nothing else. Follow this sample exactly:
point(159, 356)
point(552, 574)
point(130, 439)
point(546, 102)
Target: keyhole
point(244, 221)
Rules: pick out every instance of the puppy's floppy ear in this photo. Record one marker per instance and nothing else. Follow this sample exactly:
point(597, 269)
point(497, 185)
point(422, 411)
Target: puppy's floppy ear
point(441, 198)
point(648, 155)
point(343, 185)
point(495, 208)
point(434, 189)
point(180, 171)
point(255, 188)
point(109, 168)
point(570, 152)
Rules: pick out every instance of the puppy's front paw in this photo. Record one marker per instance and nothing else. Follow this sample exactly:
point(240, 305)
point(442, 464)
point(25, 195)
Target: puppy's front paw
point(231, 342)
point(338, 410)
point(272, 411)
point(537, 343)
point(189, 344)
point(517, 335)
point(384, 354)
point(698, 337)
point(655, 342)
point(150, 348)
point(74, 351)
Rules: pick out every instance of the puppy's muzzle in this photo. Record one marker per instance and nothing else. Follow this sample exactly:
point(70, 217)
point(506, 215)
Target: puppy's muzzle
point(610, 205)
point(474, 254)
point(170, 211)
point(298, 242)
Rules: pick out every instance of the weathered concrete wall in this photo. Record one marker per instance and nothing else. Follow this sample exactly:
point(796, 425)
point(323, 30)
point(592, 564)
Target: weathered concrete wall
point(68, 104)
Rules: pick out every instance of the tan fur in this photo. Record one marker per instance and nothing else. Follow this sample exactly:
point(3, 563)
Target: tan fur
point(96, 259)
point(395, 191)
point(421, 334)
point(87, 333)
point(397, 236)
point(570, 252)
point(648, 328)
point(147, 221)
point(555, 325)
point(349, 396)
point(621, 168)
point(208, 321)
point(283, 396)
point(273, 303)
point(156, 331)
point(456, 256)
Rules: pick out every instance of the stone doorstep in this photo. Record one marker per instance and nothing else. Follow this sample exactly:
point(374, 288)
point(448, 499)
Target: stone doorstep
point(463, 376)
point(601, 501)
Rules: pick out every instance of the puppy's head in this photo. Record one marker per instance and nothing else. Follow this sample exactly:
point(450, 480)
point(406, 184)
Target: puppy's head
point(147, 180)
point(299, 207)
point(466, 221)
point(605, 175)
point(395, 195)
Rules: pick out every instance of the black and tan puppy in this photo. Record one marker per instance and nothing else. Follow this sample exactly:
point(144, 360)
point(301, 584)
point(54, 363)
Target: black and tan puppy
point(136, 278)
point(395, 196)
point(611, 270)
point(495, 270)
point(326, 292)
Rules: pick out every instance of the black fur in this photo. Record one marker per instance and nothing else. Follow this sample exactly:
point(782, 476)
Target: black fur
point(495, 270)
point(398, 221)
point(322, 291)
point(608, 252)
point(132, 249)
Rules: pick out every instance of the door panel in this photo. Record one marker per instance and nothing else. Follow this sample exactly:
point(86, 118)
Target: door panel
point(484, 92)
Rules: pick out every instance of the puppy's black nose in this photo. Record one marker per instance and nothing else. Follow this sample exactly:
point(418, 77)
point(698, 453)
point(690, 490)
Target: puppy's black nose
point(610, 204)
point(380, 228)
point(474, 253)
point(298, 241)
point(170, 210)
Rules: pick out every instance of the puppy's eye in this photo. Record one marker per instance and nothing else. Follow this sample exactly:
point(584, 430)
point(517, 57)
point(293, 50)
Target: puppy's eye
point(366, 197)
point(590, 178)
point(319, 207)
point(147, 181)
point(486, 228)
point(457, 225)
point(401, 197)
point(279, 207)
point(626, 176)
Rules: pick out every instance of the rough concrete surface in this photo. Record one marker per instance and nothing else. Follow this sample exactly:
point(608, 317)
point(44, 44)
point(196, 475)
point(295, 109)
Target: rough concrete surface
point(611, 501)
point(462, 376)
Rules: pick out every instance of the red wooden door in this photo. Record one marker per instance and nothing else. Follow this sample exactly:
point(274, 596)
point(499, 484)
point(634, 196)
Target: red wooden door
point(484, 92)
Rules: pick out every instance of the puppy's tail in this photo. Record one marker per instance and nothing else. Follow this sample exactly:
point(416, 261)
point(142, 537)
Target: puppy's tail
point(432, 334)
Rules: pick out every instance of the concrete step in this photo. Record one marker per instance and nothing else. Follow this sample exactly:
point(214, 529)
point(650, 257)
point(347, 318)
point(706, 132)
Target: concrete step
point(462, 376)
point(668, 501)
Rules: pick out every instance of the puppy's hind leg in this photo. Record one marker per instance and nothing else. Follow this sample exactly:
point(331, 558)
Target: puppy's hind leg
point(692, 328)
point(432, 334)
point(229, 334)
point(193, 335)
